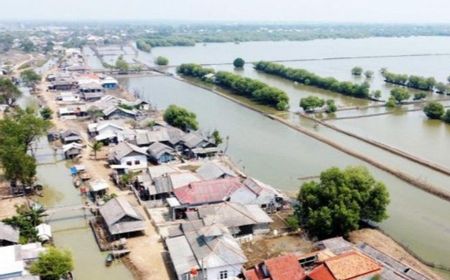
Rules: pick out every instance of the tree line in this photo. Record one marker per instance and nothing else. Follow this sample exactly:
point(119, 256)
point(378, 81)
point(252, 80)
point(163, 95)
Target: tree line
point(308, 78)
point(436, 111)
point(416, 82)
point(250, 88)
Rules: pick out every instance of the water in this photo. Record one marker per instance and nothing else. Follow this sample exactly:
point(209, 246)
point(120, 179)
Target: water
point(70, 229)
point(278, 155)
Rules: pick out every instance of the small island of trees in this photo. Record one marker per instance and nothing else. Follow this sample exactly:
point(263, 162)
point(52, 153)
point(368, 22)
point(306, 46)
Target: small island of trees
point(357, 71)
point(251, 88)
point(436, 111)
point(412, 81)
point(307, 78)
point(162, 61)
point(311, 103)
point(238, 63)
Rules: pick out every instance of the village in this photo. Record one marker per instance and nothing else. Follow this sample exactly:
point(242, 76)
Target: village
point(168, 202)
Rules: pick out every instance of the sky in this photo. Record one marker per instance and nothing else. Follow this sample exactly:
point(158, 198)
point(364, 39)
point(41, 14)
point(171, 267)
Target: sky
point(390, 11)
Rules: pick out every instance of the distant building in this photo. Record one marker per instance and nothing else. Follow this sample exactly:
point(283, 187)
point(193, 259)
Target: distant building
point(126, 156)
point(72, 150)
point(70, 136)
point(109, 83)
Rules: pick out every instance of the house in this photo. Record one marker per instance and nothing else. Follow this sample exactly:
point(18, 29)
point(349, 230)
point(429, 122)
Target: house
point(118, 112)
point(15, 259)
point(70, 136)
point(256, 192)
point(209, 252)
point(106, 132)
point(346, 266)
point(160, 153)
point(195, 145)
point(72, 112)
point(169, 136)
point(126, 156)
point(91, 91)
point(72, 150)
point(62, 84)
point(67, 97)
point(392, 268)
point(239, 219)
point(98, 187)
point(109, 83)
point(121, 217)
point(279, 268)
point(8, 235)
point(206, 192)
point(214, 170)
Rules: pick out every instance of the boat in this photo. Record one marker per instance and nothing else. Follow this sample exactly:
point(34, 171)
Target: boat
point(109, 259)
point(119, 253)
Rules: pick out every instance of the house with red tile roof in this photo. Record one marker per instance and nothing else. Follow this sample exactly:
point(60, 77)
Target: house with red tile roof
point(347, 266)
point(280, 268)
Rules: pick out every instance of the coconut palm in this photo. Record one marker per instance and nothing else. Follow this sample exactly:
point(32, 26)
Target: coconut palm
point(96, 147)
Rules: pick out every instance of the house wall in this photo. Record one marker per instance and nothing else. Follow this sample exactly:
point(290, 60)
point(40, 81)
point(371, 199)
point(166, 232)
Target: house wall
point(141, 158)
point(165, 158)
point(213, 273)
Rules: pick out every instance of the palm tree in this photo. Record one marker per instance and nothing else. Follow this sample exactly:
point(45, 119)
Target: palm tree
point(96, 147)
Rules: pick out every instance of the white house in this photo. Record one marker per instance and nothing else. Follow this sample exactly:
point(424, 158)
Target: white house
point(14, 260)
point(209, 252)
point(126, 156)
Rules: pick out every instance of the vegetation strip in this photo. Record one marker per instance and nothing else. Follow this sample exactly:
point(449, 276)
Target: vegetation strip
point(403, 176)
point(250, 88)
point(310, 79)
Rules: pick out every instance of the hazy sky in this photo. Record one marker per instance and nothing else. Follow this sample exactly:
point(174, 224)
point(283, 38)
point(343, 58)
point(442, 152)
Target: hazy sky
point(411, 11)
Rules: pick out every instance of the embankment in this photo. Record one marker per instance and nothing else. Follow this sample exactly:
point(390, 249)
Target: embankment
point(403, 176)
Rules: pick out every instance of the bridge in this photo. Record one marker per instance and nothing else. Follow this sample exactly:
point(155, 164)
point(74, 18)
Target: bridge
point(70, 208)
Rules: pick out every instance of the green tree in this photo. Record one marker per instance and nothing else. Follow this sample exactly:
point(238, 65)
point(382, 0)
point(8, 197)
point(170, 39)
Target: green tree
point(292, 223)
point(216, 137)
point(331, 106)
point(239, 63)
point(53, 264)
point(340, 200)
point(27, 46)
point(419, 95)
point(442, 88)
point(181, 118)
point(29, 77)
point(400, 94)
point(446, 117)
point(161, 60)
point(376, 94)
point(368, 74)
point(391, 103)
point(122, 65)
point(96, 147)
point(46, 113)
point(310, 103)
point(434, 110)
point(357, 71)
point(9, 93)
point(25, 221)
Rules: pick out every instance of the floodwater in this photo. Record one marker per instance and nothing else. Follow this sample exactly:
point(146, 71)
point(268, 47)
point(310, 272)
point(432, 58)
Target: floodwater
point(278, 155)
point(71, 229)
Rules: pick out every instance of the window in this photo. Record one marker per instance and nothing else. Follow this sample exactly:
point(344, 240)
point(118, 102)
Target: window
point(137, 162)
point(129, 163)
point(223, 274)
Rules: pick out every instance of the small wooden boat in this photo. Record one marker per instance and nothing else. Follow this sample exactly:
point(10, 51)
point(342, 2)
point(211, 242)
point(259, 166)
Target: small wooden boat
point(109, 259)
point(119, 253)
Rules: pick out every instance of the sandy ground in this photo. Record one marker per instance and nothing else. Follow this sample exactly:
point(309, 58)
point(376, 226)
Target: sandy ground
point(148, 255)
point(388, 246)
point(148, 258)
point(7, 205)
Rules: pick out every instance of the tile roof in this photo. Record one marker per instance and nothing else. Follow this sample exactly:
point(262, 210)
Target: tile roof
point(350, 265)
point(207, 191)
point(321, 273)
point(285, 267)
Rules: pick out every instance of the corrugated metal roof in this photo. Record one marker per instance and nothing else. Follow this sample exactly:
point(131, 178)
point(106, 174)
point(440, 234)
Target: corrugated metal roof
point(183, 258)
point(213, 170)
point(8, 233)
point(121, 217)
point(207, 191)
